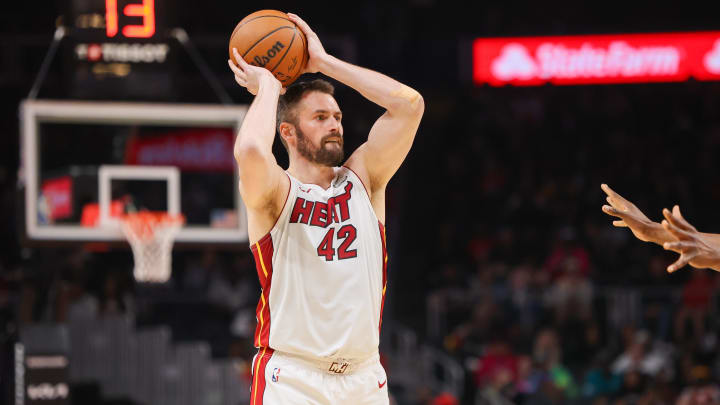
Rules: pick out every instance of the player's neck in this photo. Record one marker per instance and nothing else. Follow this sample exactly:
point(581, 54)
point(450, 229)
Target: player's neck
point(311, 173)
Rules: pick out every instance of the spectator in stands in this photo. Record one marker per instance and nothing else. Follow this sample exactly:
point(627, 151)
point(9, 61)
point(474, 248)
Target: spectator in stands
point(695, 306)
point(657, 314)
point(572, 292)
point(523, 381)
point(599, 380)
point(485, 325)
point(524, 299)
point(702, 395)
point(547, 356)
point(497, 355)
point(498, 389)
point(568, 267)
point(634, 383)
point(567, 247)
point(640, 356)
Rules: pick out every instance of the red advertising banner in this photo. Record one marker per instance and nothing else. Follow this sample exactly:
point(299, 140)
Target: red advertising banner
point(592, 59)
point(201, 149)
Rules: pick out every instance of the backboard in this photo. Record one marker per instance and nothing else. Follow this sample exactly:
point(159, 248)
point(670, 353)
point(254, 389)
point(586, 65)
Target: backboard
point(84, 163)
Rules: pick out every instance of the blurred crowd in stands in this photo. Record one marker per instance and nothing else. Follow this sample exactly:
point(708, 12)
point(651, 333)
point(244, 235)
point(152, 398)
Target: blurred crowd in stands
point(495, 229)
point(526, 282)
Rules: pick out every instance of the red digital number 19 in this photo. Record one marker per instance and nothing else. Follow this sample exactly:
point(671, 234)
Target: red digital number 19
point(146, 10)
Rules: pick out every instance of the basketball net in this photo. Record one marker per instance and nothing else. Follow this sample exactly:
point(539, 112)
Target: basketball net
point(151, 236)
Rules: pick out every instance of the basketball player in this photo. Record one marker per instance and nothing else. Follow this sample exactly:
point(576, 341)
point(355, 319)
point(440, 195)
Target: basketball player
point(316, 229)
point(700, 250)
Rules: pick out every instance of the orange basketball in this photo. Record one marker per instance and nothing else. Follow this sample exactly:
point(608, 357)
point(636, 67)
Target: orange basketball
point(267, 38)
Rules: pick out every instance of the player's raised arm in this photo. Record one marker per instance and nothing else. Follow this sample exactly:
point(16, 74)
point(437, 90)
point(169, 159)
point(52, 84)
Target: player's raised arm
point(631, 217)
point(261, 179)
point(392, 135)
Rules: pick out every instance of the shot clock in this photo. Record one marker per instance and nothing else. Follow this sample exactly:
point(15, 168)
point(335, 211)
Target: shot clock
point(119, 49)
point(145, 11)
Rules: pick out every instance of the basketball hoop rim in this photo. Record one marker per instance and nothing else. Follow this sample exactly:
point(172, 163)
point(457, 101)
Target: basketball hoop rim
point(160, 217)
point(142, 225)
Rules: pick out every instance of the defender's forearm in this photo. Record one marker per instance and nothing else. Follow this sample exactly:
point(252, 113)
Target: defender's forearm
point(713, 241)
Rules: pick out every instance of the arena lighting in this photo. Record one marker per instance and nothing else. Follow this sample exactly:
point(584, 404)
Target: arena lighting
point(597, 59)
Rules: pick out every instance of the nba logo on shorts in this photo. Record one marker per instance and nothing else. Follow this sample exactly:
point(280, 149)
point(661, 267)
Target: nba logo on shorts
point(275, 374)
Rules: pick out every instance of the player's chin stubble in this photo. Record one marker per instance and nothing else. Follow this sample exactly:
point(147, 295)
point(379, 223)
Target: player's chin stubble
point(327, 156)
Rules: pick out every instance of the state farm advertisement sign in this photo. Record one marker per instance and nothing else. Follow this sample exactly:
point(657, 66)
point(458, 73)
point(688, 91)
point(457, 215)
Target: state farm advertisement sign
point(594, 59)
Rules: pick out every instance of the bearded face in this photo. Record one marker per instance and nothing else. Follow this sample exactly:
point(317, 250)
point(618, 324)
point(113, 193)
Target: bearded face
point(329, 153)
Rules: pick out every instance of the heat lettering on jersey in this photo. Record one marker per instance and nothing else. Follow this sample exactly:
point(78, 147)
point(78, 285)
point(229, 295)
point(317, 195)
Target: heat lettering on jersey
point(301, 211)
point(323, 214)
point(318, 213)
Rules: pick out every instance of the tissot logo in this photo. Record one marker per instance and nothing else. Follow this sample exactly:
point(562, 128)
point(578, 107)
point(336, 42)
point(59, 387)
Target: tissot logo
point(132, 53)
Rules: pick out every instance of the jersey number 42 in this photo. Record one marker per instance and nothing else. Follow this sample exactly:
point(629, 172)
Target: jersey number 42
point(347, 234)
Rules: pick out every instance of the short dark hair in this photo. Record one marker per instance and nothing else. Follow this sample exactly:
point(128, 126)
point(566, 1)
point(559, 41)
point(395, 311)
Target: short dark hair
point(293, 94)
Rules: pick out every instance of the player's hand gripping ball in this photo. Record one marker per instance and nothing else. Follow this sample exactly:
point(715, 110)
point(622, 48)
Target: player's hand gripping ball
point(267, 38)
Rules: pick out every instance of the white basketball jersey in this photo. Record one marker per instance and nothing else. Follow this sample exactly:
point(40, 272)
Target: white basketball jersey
point(322, 270)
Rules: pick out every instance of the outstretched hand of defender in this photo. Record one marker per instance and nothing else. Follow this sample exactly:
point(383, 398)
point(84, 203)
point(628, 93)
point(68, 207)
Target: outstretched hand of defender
point(694, 247)
point(631, 217)
point(316, 52)
point(250, 76)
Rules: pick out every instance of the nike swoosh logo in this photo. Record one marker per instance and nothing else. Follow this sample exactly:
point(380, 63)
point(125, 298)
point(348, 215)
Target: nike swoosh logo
point(380, 385)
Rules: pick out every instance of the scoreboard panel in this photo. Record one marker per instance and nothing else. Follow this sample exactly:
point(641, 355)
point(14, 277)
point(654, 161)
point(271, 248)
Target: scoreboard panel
point(120, 50)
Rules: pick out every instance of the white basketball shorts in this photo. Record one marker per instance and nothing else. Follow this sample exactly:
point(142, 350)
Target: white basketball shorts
point(285, 379)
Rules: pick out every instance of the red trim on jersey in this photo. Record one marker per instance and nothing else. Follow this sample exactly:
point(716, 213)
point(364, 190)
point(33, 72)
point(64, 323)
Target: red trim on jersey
point(257, 389)
point(262, 250)
point(384, 267)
